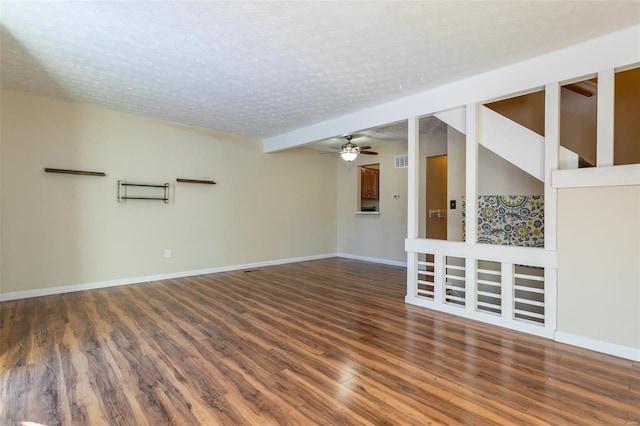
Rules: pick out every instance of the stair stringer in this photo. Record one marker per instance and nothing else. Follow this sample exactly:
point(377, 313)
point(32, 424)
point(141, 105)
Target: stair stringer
point(456, 118)
point(515, 143)
point(568, 159)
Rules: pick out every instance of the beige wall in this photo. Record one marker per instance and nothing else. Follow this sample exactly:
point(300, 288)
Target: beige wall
point(431, 145)
point(374, 236)
point(382, 236)
point(63, 229)
point(626, 123)
point(598, 264)
point(578, 124)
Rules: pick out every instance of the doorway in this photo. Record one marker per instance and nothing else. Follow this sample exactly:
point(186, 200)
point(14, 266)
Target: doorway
point(436, 197)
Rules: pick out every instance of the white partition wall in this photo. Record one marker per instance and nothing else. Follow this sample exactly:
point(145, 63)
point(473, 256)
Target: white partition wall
point(509, 286)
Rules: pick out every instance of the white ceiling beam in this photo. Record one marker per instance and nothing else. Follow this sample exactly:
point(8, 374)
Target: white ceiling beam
point(614, 50)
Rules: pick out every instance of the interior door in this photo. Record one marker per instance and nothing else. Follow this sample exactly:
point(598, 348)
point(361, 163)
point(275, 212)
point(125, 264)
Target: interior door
point(437, 197)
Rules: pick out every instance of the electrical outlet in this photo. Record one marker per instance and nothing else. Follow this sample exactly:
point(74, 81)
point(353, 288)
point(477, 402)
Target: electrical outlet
point(167, 253)
point(396, 196)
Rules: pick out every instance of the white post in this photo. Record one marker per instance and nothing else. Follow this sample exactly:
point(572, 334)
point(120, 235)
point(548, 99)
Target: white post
point(507, 291)
point(550, 299)
point(471, 209)
point(439, 281)
point(551, 159)
point(606, 86)
point(551, 150)
point(413, 141)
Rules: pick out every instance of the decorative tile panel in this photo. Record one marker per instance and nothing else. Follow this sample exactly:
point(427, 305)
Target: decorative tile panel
point(513, 220)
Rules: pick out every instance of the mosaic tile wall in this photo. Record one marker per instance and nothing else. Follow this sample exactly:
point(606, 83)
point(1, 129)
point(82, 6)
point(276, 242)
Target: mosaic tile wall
point(513, 220)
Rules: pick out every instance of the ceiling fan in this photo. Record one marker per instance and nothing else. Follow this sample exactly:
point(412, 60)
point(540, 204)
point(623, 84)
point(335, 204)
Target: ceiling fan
point(349, 151)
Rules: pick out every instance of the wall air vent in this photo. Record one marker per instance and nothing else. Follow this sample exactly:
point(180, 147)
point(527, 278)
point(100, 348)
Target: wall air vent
point(401, 161)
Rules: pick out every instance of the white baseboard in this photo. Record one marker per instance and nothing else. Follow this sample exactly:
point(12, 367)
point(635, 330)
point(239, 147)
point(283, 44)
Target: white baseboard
point(495, 320)
point(372, 259)
point(598, 346)
point(135, 280)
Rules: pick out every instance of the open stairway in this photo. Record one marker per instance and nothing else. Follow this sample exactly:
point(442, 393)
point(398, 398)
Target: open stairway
point(510, 140)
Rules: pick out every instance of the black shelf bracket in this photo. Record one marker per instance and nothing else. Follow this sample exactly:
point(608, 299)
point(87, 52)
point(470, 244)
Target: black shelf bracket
point(122, 192)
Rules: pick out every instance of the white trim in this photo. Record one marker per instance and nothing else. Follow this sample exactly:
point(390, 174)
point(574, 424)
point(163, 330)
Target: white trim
point(628, 174)
point(171, 275)
point(496, 253)
point(481, 317)
point(626, 352)
point(372, 259)
point(367, 213)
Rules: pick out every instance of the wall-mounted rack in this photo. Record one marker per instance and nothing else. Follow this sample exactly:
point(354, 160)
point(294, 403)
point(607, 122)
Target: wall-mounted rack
point(206, 182)
point(122, 192)
point(74, 172)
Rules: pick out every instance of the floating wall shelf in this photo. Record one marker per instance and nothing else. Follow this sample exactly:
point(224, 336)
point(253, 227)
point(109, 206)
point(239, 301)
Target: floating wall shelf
point(74, 172)
point(122, 192)
point(206, 182)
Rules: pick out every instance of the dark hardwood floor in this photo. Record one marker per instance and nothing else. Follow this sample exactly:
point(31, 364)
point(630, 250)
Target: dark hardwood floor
point(327, 342)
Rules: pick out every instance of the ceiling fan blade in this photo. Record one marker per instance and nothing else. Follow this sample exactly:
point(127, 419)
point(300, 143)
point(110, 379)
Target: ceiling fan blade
point(364, 148)
point(368, 153)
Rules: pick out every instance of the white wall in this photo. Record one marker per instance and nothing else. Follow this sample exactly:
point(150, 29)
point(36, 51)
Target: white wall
point(599, 265)
point(64, 230)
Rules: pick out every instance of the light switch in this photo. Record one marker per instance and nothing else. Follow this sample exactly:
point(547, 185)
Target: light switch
point(452, 204)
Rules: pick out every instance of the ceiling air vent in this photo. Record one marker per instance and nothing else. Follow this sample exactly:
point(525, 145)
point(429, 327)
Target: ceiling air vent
point(402, 161)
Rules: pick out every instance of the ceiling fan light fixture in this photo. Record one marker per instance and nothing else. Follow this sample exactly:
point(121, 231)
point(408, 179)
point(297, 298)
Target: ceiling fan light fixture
point(348, 156)
point(349, 151)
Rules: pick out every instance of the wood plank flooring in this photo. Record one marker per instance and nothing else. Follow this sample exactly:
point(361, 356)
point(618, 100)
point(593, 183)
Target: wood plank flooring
point(327, 342)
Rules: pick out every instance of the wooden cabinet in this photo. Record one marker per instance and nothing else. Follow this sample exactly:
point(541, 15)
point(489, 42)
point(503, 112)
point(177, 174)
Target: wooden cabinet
point(369, 183)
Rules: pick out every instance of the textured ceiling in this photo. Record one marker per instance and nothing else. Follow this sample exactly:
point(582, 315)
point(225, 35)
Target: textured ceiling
point(383, 135)
point(266, 68)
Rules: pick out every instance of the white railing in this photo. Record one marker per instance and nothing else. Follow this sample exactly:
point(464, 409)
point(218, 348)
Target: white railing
point(513, 287)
